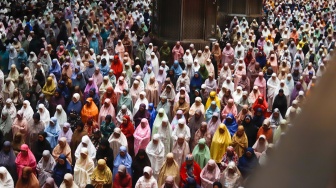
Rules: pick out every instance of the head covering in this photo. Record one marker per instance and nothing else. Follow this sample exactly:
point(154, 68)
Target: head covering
point(208, 177)
point(219, 143)
point(201, 156)
point(90, 147)
point(6, 180)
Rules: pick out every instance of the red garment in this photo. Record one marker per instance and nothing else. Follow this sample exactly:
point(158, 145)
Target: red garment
point(128, 130)
point(110, 94)
point(262, 105)
point(183, 174)
point(125, 182)
point(117, 66)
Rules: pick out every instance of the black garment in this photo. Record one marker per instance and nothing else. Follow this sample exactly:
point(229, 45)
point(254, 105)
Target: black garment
point(35, 46)
point(258, 119)
point(41, 146)
point(107, 152)
point(280, 102)
point(250, 130)
point(139, 164)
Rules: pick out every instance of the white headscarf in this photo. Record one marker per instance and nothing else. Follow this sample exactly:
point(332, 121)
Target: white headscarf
point(91, 148)
point(28, 112)
point(140, 101)
point(6, 180)
point(115, 143)
point(45, 115)
point(156, 154)
point(61, 117)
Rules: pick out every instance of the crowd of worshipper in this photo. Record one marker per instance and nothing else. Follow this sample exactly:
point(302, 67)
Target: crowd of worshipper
point(88, 99)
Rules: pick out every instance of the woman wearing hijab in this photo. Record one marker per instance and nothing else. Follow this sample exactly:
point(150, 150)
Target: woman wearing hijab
point(155, 152)
point(142, 135)
point(75, 104)
point(110, 94)
point(122, 178)
point(106, 109)
point(83, 168)
point(102, 175)
point(260, 145)
point(60, 115)
point(68, 182)
point(261, 103)
point(61, 168)
point(117, 139)
point(117, 66)
point(36, 126)
point(213, 108)
point(201, 153)
point(105, 152)
point(250, 130)
point(140, 161)
point(107, 126)
point(169, 168)
point(248, 162)
point(10, 108)
point(231, 123)
point(127, 128)
point(203, 72)
point(44, 114)
point(189, 169)
point(210, 174)
point(141, 100)
point(152, 91)
point(6, 124)
point(53, 131)
point(140, 114)
point(280, 102)
point(122, 158)
point(89, 71)
point(196, 81)
point(28, 178)
point(240, 141)
point(90, 85)
point(220, 141)
point(214, 122)
point(194, 124)
point(45, 167)
point(180, 149)
point(49, 183)
point(258, 118)
point(56, 99)
point(86, 143)
point(49, 88)
point(25, 159)
point(7, 159)
point(231, 176)
point(94, 95)
point(89, 110)
point(62, 148)
point(27, 111)
point(147, 180)
point(182, 128)
point(18, 141)
point(125, 99)
point(41, 145)
point(151, 110)
point(6, 179)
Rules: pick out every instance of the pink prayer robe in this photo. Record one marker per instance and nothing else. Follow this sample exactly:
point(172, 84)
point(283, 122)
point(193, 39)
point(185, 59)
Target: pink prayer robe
point(261, 83)
point(228, 56)
point(177, 52)
point(142, 136)
point(227, 110)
